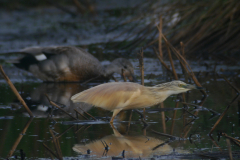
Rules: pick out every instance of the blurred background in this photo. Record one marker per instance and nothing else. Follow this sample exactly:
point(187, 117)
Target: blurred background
point(205, 32)
point(208, 29)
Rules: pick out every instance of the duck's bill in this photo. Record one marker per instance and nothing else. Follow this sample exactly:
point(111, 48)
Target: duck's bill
point(132, 78)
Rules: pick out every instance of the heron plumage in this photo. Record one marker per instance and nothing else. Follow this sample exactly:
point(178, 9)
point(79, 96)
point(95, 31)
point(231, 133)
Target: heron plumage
point(117, 96)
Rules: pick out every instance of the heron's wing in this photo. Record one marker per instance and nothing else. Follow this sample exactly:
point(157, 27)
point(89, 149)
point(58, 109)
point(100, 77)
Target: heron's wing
point(109, 96)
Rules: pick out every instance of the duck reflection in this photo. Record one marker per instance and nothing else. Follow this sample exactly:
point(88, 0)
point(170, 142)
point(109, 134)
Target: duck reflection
point(125, 146)
point(59, 93)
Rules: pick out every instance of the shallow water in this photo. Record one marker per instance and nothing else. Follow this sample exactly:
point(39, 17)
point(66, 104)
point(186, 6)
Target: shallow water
point(128, 137)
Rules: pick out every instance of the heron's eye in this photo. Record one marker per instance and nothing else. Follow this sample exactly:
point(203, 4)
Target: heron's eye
point(125, 67)
point(180, 85)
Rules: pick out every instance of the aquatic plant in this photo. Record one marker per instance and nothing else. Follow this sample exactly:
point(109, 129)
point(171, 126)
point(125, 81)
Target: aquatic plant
point(203, 26)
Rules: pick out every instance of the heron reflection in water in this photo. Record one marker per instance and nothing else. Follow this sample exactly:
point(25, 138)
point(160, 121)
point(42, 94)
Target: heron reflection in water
point(132, 146)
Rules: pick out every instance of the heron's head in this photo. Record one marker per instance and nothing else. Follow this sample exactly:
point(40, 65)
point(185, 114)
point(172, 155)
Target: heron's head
point(176, 87)
point(118, 65)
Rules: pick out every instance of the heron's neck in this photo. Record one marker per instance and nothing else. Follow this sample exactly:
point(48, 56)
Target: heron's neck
point(162, 93)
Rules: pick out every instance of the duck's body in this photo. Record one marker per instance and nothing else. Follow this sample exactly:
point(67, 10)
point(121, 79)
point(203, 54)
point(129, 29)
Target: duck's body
point(61, 64)
point(119, 96)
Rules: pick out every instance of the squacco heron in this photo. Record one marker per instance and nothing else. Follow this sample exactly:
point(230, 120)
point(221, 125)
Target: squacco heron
point(117, 96)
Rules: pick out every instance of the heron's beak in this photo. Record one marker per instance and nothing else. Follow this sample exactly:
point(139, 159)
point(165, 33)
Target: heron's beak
point(190, 86)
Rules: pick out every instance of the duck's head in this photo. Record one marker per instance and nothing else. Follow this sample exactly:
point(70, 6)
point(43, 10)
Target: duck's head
point(117, 66)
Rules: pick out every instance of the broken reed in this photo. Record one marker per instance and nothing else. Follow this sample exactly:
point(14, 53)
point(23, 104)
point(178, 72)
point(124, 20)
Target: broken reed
point(229, 149)
point(87, 113)
point(226, 109)
point(141, 66)
point(160, 57)
point(186, 69)
point(55, 105)
point(56, 145)
point(15, 91)
point(18, 140)
point(181, 59)
point(58, 152)
point(172, 64)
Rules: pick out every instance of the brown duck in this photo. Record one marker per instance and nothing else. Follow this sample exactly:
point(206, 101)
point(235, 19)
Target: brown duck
point(69, 64)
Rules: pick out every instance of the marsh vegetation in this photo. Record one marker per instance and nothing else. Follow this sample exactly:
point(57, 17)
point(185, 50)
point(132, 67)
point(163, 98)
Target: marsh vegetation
point(198, 124)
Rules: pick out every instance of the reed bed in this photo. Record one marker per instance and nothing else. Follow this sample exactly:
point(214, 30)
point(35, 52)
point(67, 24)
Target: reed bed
point(210, 29)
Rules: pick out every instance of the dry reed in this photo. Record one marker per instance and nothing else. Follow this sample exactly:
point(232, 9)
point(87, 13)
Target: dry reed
point(15, 91)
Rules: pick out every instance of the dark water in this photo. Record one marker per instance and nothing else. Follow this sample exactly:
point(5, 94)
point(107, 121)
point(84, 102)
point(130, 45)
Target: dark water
point(130, 136)
point(127, 138)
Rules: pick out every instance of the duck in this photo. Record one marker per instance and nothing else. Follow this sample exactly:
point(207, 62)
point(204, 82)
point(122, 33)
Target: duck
point(69, 64)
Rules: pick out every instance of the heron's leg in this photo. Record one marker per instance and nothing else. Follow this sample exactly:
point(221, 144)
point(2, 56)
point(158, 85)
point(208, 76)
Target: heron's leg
point(115, 131)
point(115, 112)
